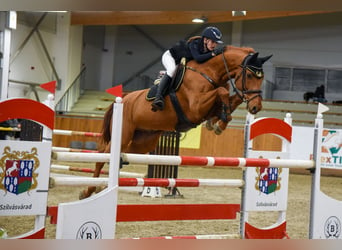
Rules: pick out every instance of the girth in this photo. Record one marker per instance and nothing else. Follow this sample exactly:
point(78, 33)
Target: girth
point(183, 123)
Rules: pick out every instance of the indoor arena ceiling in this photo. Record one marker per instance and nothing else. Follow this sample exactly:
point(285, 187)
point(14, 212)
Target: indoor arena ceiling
point(172, 17)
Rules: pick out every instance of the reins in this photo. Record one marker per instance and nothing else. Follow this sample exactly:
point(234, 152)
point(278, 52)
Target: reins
point(241, 93)
point(205, 76)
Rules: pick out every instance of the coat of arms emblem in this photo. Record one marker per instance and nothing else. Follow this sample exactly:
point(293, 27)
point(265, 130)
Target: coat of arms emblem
point(268, 179)
point(18, 170)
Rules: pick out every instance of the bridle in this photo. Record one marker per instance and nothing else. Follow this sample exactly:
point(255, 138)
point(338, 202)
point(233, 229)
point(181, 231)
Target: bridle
point(225, 113)
point(257, 72)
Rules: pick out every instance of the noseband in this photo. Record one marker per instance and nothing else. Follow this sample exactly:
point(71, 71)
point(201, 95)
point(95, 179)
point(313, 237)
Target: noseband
point(257, 72)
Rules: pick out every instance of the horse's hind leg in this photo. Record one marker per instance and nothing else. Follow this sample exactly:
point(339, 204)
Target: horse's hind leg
point(90, 190)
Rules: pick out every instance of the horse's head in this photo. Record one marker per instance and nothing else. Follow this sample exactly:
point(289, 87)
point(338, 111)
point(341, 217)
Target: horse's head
point(248, 81)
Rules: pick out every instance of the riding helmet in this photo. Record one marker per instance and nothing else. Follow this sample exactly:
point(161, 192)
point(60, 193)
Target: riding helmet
point(212, 33)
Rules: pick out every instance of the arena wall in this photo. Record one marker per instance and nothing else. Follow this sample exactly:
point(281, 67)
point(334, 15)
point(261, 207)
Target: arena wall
point(229, 143)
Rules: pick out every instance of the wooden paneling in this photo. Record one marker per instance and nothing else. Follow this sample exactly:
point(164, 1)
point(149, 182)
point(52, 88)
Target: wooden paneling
point(267, 142)
point(171, 17)
point(75, 124)
point(229, 144)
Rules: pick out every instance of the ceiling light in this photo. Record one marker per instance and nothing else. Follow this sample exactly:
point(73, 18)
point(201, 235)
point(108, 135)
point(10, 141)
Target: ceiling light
point(239, 12)
point(52, 11)
point(200, 19)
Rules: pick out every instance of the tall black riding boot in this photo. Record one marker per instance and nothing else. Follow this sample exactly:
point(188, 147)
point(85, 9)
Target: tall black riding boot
point(158, 102)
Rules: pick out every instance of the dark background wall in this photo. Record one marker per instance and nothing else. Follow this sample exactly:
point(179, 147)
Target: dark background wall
point(308, 47)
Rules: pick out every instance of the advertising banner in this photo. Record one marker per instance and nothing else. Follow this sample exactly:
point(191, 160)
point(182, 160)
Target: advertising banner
point(331, 152)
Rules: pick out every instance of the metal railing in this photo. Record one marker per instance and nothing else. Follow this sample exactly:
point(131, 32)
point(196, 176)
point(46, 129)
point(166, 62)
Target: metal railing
point(71, 94)
point(32, 87)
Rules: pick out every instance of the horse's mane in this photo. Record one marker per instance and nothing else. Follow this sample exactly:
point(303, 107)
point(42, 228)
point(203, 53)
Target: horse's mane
point(246, 49)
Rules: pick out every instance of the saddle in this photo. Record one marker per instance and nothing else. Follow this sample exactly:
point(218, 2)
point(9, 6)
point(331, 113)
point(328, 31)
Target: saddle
point(175, 83)
point(183, 123)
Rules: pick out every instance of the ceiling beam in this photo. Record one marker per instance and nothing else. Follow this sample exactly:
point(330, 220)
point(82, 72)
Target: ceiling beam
point(172, 17)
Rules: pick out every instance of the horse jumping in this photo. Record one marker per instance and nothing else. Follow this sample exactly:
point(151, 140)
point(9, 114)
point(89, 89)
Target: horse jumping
point(203, 95)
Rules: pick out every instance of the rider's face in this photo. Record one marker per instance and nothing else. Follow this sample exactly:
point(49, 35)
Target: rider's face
point(211, 45)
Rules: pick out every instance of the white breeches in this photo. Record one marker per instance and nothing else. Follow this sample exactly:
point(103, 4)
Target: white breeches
point(169, 63)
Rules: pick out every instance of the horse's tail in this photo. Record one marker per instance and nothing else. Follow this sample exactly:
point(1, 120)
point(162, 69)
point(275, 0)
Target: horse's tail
point(106, 125)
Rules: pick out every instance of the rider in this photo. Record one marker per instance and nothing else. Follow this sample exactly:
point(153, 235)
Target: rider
point(201, 48)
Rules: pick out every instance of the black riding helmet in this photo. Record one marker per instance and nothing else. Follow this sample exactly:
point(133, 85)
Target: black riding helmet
point(212, 33)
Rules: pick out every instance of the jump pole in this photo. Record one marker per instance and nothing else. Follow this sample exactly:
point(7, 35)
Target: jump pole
point(91, 170)
point(142, 159)
point(70, 133)
point(59, 132)
point(145, 182)
point(64, 149)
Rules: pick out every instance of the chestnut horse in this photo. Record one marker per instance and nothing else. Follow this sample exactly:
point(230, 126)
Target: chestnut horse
point(203, 95)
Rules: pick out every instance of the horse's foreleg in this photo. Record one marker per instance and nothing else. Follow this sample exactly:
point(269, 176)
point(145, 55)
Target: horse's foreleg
point(209, 124)
point(221, 125)
point(234, 102)
point(224, 111)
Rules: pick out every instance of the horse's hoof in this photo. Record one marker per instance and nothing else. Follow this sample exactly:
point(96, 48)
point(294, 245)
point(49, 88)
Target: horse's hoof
point(217, 129)
point(83, 195)
point(209, 126)
point(218, 132)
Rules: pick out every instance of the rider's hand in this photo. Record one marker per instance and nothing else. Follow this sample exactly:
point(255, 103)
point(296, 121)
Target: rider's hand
point(218, 51)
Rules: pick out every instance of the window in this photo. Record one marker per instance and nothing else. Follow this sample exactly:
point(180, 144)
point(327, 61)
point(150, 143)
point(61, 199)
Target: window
point(334, 81)
point(282, 78)
point(305, 79)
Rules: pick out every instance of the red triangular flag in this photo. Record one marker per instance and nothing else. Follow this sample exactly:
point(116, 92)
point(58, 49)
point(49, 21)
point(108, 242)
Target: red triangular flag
point(49, 86)
point(115, 91)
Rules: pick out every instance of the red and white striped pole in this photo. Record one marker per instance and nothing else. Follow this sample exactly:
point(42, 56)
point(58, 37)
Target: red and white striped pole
point(145, 182)
point(70, 133)
point(144, 159)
